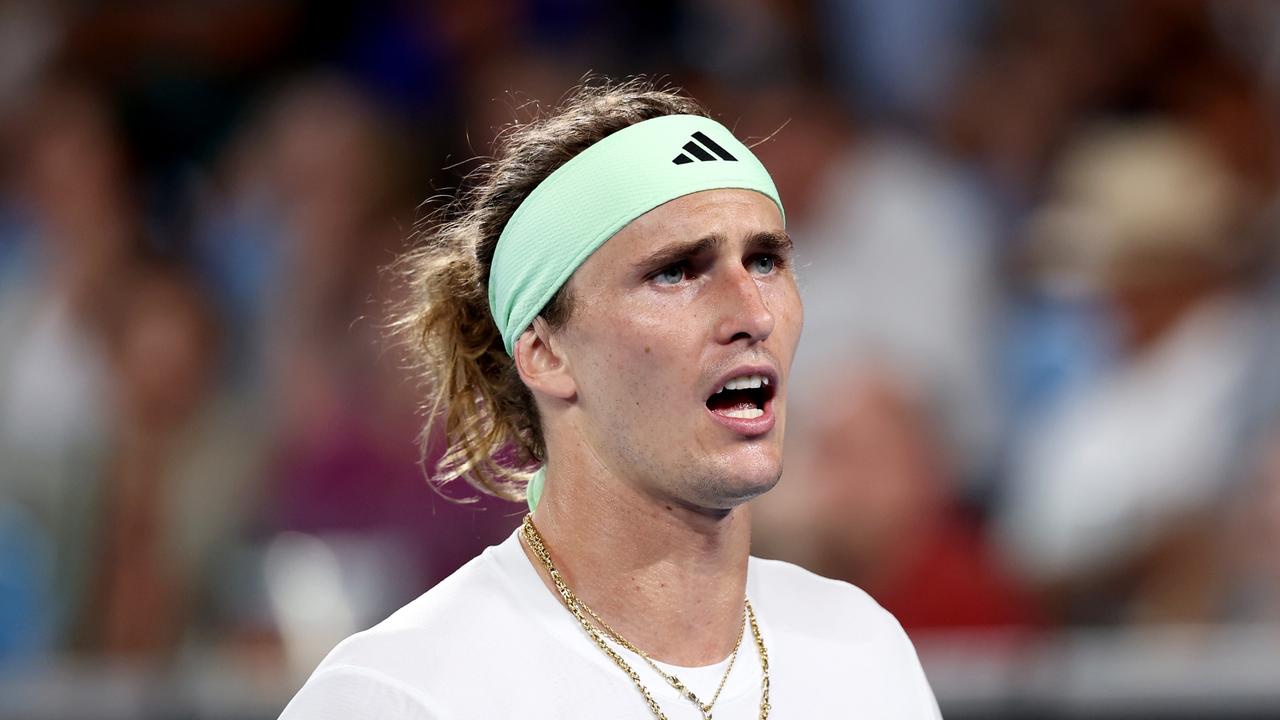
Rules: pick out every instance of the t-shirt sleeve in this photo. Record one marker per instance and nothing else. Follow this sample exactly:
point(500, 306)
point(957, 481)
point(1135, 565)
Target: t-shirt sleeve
point(920, 693)
point(347, 692)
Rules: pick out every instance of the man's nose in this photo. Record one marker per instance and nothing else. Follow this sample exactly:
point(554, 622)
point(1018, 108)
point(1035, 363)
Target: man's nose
point(744, 314)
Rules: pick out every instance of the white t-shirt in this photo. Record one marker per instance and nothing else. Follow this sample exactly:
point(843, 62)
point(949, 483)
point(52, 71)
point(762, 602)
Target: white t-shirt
point(492, 641)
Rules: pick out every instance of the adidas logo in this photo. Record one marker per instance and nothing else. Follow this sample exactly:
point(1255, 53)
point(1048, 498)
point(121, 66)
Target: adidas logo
point(699, 151)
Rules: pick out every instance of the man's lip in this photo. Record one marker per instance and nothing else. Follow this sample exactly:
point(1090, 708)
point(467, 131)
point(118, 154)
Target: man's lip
point(748, 427)
point(767, 371)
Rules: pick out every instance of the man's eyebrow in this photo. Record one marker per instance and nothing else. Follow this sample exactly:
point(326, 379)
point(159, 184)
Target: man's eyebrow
point(676, 252)
point(771, 240)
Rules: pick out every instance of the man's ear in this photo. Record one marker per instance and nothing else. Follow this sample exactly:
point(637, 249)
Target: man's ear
point(542, 364)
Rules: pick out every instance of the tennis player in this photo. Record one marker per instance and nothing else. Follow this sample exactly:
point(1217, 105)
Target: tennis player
point(614, 303)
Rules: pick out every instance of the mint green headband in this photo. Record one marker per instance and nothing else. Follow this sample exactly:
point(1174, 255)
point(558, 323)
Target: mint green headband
point(596, 193)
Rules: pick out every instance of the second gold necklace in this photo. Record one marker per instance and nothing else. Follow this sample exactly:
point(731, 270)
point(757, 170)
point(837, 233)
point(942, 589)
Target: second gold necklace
point(577, 608)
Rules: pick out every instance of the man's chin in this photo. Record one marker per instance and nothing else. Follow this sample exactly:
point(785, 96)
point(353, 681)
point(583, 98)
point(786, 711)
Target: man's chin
point(728, 492)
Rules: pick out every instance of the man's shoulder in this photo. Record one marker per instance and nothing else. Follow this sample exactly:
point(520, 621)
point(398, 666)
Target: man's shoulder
point(783, 581)
point(465, 608)
point(438, 650)
point(836, 631)
point(800, 601)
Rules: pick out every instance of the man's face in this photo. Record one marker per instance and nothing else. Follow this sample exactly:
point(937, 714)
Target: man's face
point(686, 298)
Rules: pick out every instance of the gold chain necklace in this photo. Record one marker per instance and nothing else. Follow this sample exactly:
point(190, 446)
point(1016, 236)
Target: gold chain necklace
point(576, 607)
point(672, 680)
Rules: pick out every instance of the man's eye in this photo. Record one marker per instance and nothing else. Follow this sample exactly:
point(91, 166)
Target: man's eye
point(764, 264)
point(670, 276)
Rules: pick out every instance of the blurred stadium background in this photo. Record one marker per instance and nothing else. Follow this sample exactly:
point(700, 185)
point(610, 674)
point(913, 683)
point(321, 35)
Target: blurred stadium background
point(1037, 407)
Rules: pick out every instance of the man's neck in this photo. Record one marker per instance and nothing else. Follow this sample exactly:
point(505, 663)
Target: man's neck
point(668, 578)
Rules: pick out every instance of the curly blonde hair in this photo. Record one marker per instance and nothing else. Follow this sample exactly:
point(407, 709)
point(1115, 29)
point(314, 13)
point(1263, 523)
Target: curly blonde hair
point(475, 396)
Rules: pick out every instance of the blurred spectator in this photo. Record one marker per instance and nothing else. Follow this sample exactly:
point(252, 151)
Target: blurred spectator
point(77, 230)
point(875, 48)
point(1248, 540)
point(1106, 495)
point(312, 206)
point(181, 478)
point(1035, 69)
point(316, 210)
point(896, 261)
point(26, 592)
point(29, 34)
point(881, 507)
point(1248, 528)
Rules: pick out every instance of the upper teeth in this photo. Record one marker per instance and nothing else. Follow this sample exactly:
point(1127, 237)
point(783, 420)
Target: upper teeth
point(745, 382)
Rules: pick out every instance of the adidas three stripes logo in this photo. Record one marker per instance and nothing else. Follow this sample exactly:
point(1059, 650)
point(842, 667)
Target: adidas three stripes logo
point(698, 147)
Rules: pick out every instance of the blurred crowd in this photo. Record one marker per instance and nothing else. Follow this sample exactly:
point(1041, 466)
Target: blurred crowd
point(1037, 386)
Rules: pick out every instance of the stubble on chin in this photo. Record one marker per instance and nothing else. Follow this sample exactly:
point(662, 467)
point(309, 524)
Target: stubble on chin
point(722, 492)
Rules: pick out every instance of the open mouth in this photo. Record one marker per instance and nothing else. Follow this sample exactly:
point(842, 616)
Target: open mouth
point(743, 397)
